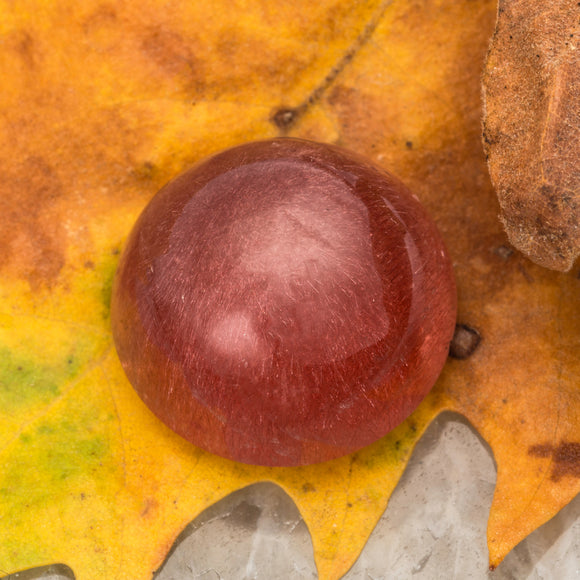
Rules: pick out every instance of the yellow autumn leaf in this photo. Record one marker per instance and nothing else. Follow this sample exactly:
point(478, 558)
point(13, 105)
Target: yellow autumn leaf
point(101, 105)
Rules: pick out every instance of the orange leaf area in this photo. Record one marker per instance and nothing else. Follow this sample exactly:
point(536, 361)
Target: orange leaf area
point(101, 105)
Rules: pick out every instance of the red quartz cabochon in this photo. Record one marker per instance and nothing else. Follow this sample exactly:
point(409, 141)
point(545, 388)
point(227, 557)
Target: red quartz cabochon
point(283, 303)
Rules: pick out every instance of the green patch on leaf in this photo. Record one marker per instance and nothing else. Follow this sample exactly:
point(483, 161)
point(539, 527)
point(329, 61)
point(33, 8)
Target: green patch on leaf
point(106, 274)
point(22, 380)
point(31, 375)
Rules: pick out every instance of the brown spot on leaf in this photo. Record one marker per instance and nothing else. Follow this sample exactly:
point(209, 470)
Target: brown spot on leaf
point(465, 340)
point(565, 458)
point(26, 49)
point(30, 233)
point(285, 118)
point(103, 16)
point(175, 58)
point(149, 507)
point(504, 252)
point(145, 171)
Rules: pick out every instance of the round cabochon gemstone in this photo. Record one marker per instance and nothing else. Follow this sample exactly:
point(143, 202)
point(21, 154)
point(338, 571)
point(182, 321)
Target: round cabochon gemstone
point(283, 302)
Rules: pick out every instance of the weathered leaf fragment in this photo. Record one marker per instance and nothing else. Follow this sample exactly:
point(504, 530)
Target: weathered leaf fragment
point(531, 91)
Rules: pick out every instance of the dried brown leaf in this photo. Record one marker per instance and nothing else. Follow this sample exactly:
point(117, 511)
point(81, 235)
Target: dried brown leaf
point(532, 127)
